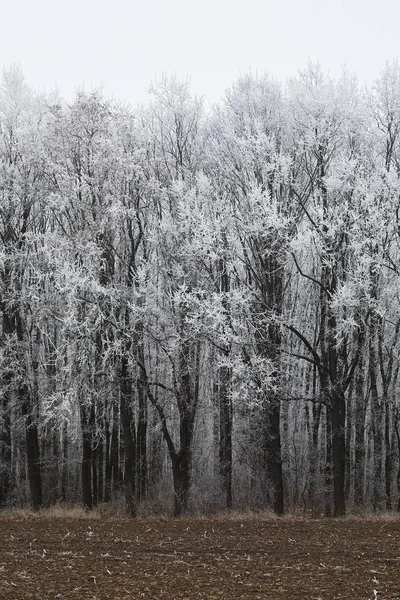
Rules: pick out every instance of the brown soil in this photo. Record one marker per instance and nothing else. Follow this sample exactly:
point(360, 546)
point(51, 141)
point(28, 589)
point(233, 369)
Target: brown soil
point(199, 559)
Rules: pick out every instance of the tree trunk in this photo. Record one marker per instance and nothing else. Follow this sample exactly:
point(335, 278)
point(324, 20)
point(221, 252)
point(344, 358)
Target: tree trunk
point(141, 440)
point(5, 429)
point(397, 430)
point(338, 416)
point(269, 346)
point(328, 463)
point(116, 449)
point(223, 388)
point(5, 451)
point(359, 444)
point(32, 446)
point(273, 453)
point(100, 465)
point(87, 457)
point(108, 464)
point(314, 458)
point(93, 427)
point(225, 433)
point(64, 462)
point(377, 420)
point(349, 433)
point(127, 421)
point(181, 470)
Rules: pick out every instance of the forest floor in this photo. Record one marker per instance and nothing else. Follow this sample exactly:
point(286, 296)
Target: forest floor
point(203, 558)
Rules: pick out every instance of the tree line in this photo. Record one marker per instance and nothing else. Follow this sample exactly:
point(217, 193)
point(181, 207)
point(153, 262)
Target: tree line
point(199, 308)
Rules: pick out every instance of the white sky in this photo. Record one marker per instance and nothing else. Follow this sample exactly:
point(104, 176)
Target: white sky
point(124, 44)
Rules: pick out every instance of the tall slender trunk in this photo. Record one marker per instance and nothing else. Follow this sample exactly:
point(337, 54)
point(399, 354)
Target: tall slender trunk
point(100, 465)
point(87, 457)
point(64, 462)
point(5, 429)
point(359, 442)
point(388, 455)
point(128, 426)
point(116, 477)
point(95, 483)
point(187, 396)
point(108, 463)
point(28, 400)
point(225, 433)
point(338, 415)
point(141, 433)
point(397, 431)
point(349, 434)
point(273, 452)
point(328, 475)
point(181, 471)
point(224, 398)
point(269, 346)
point(5, 450)
point(32, 447)
point(314, 458)
point(377, 417)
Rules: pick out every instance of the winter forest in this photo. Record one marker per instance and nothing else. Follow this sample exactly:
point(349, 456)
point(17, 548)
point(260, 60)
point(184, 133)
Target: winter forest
point(200, 307)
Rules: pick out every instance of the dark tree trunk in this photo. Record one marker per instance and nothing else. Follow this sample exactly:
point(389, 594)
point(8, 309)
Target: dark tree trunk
point(30, 411)
point(127, 421)
point(273, 454)
point(141, 439)
point(87, 457)
point(108, 465)
point(328, 464)
point(397, 430)
point(5, 429)
point(28, 401)
point(269, 346)
point(33, 456)
point(115, 462)
point(223, 389)
point(181, 470)
point(338, 416)
point(389, 379)
point(314, 458)
point(5, 452)
point(187, 399)
point(156, 451)
point(359, 444)
point(100, 466)
point(64, 459)
point(95, 482)
point(377, 419)
point(349, 432)
point(388, 456)
point(225, 433)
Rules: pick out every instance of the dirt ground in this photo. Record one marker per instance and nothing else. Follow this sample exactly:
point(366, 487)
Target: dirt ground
point(210, 559)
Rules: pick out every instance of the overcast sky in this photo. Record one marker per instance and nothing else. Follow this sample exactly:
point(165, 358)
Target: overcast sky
point(124, 44)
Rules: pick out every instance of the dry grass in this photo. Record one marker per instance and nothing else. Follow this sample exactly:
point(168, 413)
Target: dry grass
point(238, 515)
point(116, 510)
point(372, 517)
point(58, 511)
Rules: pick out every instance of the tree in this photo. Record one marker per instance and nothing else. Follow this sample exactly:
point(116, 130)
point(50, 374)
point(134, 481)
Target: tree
point(326, 146)
point(22, 224)
point(249, 153)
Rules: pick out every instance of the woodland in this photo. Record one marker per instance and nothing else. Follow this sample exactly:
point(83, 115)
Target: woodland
point(199, 306)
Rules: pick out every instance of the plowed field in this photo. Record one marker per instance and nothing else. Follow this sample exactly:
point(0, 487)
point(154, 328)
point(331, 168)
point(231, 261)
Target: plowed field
point(199, 559)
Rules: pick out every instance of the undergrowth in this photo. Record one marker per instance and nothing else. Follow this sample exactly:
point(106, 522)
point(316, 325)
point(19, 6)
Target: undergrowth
point(117, 510)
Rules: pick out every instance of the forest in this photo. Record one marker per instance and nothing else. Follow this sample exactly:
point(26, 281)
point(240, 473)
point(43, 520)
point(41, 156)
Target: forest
point(200, 306)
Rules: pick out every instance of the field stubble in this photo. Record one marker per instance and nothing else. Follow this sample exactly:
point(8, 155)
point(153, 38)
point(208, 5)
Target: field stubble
point(198, 558)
